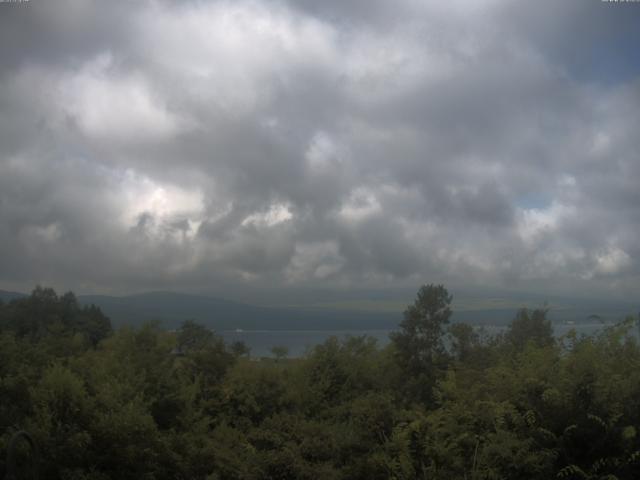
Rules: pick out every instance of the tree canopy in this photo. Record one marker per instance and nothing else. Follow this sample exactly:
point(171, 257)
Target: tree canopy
point(419, 343)
point(437, 402)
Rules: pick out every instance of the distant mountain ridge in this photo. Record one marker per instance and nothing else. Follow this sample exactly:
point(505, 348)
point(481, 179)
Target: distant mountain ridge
point(171, 309)
point(7, 296)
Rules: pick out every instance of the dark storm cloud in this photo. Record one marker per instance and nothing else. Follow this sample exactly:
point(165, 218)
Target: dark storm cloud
point(62, 32)
point(203, 145)
point(599, 45)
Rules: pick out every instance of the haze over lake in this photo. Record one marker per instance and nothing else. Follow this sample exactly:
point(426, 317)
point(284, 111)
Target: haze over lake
point(301, 342)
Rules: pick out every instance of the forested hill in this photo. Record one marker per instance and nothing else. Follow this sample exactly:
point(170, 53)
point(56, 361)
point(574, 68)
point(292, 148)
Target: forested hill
point(440, 401)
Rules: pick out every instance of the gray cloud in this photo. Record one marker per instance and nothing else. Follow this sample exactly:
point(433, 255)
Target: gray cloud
point(228, 145)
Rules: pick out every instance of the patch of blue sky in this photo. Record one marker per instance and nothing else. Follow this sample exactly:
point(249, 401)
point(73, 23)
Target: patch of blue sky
point(533, 200)
point(616, 62)
point(610, 56)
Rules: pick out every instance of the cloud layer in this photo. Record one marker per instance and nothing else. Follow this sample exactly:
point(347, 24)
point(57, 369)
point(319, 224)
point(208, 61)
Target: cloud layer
point(217, 144)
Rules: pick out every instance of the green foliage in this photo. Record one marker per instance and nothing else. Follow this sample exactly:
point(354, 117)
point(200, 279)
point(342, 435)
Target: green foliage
point(193, 337)
point(530, 327)
point(146, 403)
point(44, 314)
point(419, 346)
point(280, 352)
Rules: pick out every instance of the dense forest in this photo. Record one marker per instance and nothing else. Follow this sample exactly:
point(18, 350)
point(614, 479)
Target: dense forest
point(441, 401)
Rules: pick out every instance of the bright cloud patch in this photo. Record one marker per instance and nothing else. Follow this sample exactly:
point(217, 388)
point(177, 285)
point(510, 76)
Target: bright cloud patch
point(110, 105)
point(612, 261)
point(158, 209)
point(534, 222)
point(230, 52)
point(276, 214)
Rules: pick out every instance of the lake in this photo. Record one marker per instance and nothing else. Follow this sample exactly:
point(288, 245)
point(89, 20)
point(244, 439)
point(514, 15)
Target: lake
point(300, 341)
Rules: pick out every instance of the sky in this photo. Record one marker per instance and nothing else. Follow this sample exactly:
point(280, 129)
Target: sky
point(273, 147)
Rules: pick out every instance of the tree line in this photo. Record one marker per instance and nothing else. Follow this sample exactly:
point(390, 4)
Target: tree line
point(441, 401)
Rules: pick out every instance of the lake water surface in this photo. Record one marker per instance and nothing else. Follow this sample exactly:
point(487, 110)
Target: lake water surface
point(300, 341)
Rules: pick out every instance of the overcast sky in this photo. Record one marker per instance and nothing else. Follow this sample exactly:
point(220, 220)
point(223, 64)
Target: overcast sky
point(228, 146)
